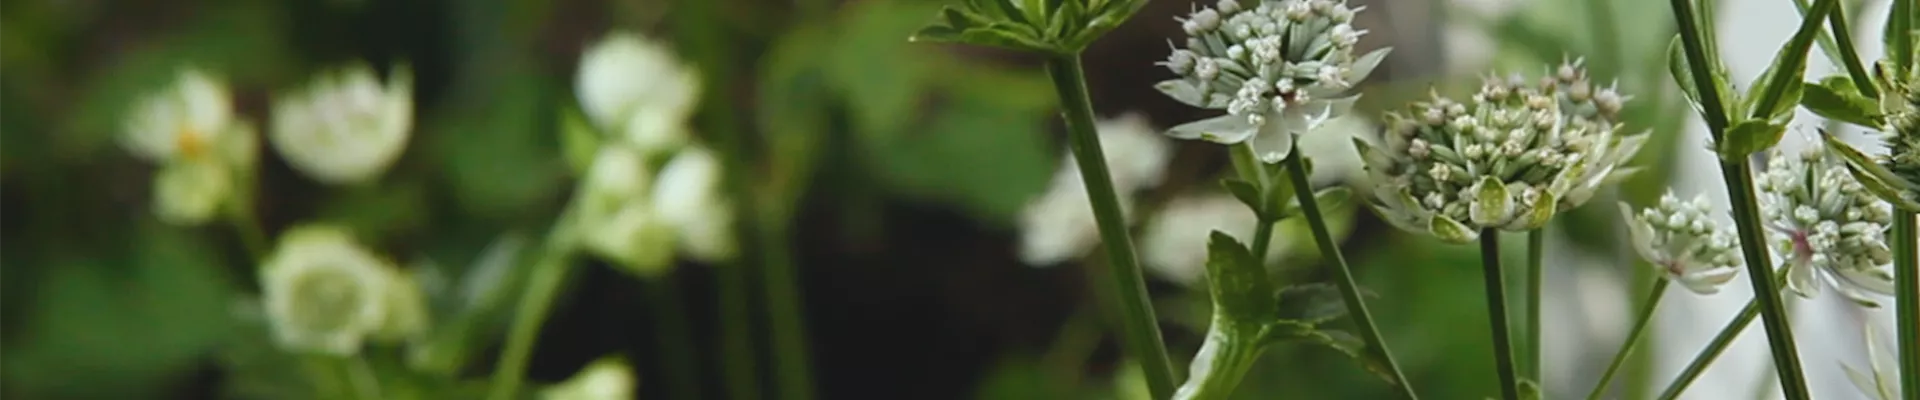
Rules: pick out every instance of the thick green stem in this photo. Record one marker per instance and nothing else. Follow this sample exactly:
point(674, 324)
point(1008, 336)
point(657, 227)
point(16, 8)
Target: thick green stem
point(1230, 350)
point(1712, 351)
point(1847, 54)
point(673, 339)
point(1349, 288)
point(1530, 344)
point(1497, 313)
point(1899, 25)
point(542, 285)
point(784, 309)
point(1140, 331)
point(1906, 274)
point(1633, 338)
point(1739, 182)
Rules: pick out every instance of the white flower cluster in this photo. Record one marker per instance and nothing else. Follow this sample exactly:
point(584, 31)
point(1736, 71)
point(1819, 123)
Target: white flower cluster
point(326, 294)
point(1685, 243)
point(1827, 226)
point(1278, 67)
point(630, 212)
point(345, 127)
point(204, 151)
point(1508, 159)
point(1058, 225)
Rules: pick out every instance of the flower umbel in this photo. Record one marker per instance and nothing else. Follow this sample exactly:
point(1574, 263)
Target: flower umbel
point(1684, 243)
point(326, 294)
point(1277, 67)
point(633, 87)
point(345, 127)
point(1827, 226)
point(1510, 158)
point(190, 130)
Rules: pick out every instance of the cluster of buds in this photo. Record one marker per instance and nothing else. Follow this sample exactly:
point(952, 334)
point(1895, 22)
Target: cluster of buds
point(326, 294)
point(1900, 104)
point(345, 127)
point(1278, 67)
point(1830, 229)
point(203, 149)
point(1685, 243)
point(1510, 158)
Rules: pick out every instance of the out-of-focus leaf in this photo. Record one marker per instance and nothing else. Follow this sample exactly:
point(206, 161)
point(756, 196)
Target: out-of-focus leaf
point(981, 156)
point(377, 213)
point(122, 327)
point(497, 153)
point(1237, 281)
point(578, 139)
point(473, 308)
point(795, 103)
point(884, 79)
point(1021, 378)
point(1313, 303)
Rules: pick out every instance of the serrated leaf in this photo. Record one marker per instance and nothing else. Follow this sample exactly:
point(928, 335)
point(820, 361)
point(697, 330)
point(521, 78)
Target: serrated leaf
point(1246, 192)
point(1748, 137)
point(1237, 281)
point(1836, 98)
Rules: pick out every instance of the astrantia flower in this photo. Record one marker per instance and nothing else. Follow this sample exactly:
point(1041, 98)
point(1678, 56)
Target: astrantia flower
point(1508, 159)
point(608, 378)
point(1829, 229)
point(190, 130)
point(616, 217)
point(1684, 243)
point(1059, 225)
point(1276, 66)
point(688, 198)
point(345, 127)
point(634, 88)
point(1884, 381)
point(326, 294)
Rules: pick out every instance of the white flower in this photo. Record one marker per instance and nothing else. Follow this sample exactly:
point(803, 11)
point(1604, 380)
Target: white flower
point(1884, 383)
point(1174, 244)
point(1276, 68)
point(345, 127)
point(1058, 225)
point(326, 294)
point(185, 121)
point(1829, 229)
point(1684, 243)
point(688, 197)
point(190, 192)
point(635, 86)
point(616, 216)
point(608, 378)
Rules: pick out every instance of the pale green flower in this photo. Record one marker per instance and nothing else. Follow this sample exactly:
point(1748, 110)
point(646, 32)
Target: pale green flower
point(635, 88)
point(688, 197)
point(1829, 229)
point(187, 120)
point(190, 192)
point(345, 127)
point(608, 378)
point(324, 293)
point(1684, 243)
point(616, 217)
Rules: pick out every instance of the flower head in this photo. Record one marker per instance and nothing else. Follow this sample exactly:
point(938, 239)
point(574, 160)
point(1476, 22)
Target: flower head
point(1829, 229)
point(326, 294)
point(608, 378)
point(1277, 67)
point(345, 127)
point(687, 195)
point(189, 129)
point(637, 88)
point(616, 216)
point(1058, 225)
point(1509, 158)
point(1684, 243)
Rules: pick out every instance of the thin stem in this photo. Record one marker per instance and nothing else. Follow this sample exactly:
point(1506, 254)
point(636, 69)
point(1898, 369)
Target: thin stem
point(542, 285)
point(1536, 255)
point(1497, 312)
point(1899, 27)
point(1850, 56)
point(1906, 271)
point(1633, 338)
point(1739, 182)
point(1140, 332)
point(785, 308)
point(1249, 168)
point(1349, 289)
point(1230, 350)
point(1712, 352)
point(738, 364)
point(673, 338)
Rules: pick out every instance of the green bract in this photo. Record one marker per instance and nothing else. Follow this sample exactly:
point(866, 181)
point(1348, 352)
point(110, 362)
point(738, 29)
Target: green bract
point(1047, 26)
point(1509, 159)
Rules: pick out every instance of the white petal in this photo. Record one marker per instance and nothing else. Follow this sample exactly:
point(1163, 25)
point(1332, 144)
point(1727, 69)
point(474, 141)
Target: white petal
point(1801, 279)
point(1225, 129)
point(1182, 91)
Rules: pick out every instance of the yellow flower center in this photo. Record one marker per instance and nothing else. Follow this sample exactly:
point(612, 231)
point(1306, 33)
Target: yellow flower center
point(190, 142)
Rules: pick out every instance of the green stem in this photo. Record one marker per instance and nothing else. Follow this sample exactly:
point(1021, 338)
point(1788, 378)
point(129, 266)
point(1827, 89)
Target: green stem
point(1899, 26)
point(673, 338)
point(1633, 338)
point(1712, 352)
point(1497, 313)
point(1530, 344)
point(542, 285)
point(738, 364)
point(1739, 182)
point(785, 309)
point(1349, 288)
point(1248, 165)
point(1230, 350)
point(1849, 56)
point(324, 377)
point(1606, 36)
point(1906, 271)
point(360, 376)
point(1140, 332)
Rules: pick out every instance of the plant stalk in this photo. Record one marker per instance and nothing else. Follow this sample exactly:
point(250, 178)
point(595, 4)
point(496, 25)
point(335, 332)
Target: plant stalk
point(1250, 170)
point(673, 338)
point(1906, 275)
point(1899, 21)
point(1349, 288)
point(1530, 344)
point(1633, 338)
point(1497, 313)
point(1739, 180)
point(785, 309)
point(739, 366)
point(542, 285)
point(1140, 332)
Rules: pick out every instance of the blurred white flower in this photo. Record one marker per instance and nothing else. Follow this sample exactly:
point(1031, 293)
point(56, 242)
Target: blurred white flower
point(687, 196)
point(326, 294)
point(1828, 228)
point(1884, 381)
point(608, 378)
point(190, 192)
point(345, 127)
point(1059, 225)
point(634, 86)
point(1174, 244)
point(616, 215)
point(1684, 243)
point(185, 121)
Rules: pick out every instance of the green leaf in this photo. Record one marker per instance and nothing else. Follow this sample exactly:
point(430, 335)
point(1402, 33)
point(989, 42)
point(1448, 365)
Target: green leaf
point(1529, 390)
point(1338, 340)
point(1748, 137)
point(1680, 68)
point(578, 140)
point(1313, 303)
point(1836, 98)
point(495, 144)
point(1774, 94)
point(1237, 281)
point(1246, 192)
point(1875, 177)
